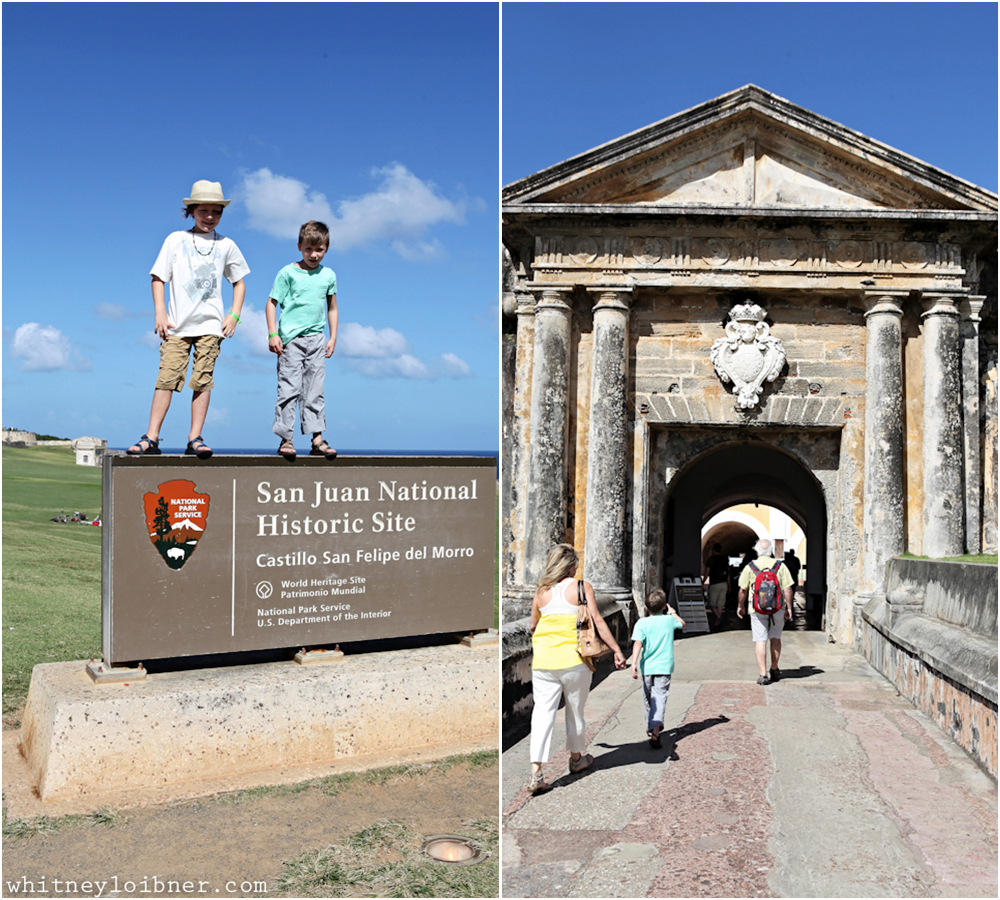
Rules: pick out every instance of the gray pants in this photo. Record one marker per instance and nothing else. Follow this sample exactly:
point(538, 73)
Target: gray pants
point(655, 689)
point(301, 370)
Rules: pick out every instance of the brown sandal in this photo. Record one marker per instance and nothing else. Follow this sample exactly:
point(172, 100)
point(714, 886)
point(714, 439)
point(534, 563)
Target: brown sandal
point(581, 764)
point(323, 449)
point(287, 450)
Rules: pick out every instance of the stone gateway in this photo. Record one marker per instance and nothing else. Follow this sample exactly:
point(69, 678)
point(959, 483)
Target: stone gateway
point(747, 302)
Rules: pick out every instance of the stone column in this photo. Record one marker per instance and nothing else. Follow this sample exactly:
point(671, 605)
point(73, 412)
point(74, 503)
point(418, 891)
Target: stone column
point(546, 505)
point(604, 560)
point(885, 488)
point(516, 435)
point(968, 330)
point(944, 503)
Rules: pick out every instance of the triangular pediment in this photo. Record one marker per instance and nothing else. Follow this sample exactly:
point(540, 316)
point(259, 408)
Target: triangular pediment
point(749, 149)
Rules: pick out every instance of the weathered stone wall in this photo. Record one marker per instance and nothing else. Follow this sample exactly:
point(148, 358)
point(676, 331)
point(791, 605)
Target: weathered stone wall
point(934, 635)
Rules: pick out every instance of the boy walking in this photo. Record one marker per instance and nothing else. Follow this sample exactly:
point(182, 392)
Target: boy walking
point(653, 639)
point(306, 291)
point(193, 263)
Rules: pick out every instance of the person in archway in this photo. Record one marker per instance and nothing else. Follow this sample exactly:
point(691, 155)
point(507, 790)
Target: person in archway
point(766, 627)
point(557, 670)
point(793, 564)
point(716, 577)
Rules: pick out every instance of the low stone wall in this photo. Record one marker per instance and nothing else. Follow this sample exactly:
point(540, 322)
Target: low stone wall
point(933, 634)
point(81, 739)
point(516, 700)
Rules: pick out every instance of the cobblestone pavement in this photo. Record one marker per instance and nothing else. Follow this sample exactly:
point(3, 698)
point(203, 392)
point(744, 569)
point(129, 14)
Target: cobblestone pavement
point(824, 784)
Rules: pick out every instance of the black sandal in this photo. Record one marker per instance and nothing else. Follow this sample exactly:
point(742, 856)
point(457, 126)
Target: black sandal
point(287, 451)
point(152, 449)
point(197, 447)
point(323, 449)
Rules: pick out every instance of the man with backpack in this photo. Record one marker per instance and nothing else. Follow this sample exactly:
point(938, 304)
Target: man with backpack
point(769, 585)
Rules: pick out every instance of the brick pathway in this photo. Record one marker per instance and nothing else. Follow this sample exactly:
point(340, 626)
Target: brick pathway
point(825, 784)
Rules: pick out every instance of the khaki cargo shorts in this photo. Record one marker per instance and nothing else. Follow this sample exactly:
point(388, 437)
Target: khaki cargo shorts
point(174, 353)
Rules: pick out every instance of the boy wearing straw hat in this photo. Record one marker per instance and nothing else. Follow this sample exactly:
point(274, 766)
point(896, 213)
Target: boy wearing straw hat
point(194, 263)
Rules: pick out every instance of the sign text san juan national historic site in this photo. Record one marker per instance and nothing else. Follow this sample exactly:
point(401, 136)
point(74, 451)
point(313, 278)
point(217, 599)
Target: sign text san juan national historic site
point(249, 553)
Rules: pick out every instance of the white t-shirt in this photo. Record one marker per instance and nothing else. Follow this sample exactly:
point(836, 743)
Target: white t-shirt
point(194, 266)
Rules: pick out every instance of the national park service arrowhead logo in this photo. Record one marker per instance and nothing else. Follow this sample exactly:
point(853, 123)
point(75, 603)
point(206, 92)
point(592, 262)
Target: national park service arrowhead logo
point(176, 518)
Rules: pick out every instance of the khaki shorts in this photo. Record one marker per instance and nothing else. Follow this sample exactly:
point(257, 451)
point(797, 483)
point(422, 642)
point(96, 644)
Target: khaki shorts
point(174, 353)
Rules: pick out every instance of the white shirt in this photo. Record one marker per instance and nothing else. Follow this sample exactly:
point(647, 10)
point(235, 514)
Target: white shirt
point(194, 266)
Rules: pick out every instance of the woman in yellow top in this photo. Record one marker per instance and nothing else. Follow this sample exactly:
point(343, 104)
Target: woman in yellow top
point(557, 670)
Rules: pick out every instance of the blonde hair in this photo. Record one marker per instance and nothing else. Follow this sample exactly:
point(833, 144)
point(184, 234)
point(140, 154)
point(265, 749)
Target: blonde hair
point(560, 562)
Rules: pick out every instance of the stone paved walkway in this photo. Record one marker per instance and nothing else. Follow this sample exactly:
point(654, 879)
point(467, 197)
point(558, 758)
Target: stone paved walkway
point(825, 784)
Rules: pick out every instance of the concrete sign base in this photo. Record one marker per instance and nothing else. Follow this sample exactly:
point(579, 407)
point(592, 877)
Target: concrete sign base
point(81, 739)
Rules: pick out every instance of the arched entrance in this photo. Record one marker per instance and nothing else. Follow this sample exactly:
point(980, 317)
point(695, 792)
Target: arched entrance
point(742, 471)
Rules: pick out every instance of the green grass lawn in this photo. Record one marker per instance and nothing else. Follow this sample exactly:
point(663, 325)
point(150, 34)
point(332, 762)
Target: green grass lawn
point(51, 572)
point(985, 559)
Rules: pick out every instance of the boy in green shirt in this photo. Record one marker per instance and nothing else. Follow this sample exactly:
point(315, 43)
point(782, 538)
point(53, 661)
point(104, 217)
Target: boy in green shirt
point(307, 294)
point(654, 646)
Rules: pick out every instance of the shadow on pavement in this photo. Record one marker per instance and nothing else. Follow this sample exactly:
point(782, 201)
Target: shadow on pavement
point(800, 672)
point(641, 752)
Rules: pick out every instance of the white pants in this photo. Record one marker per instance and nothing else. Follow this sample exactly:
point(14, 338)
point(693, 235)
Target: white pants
point(548, 687)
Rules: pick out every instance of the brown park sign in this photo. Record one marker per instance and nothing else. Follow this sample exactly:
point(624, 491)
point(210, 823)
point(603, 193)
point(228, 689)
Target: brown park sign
point(292, 555)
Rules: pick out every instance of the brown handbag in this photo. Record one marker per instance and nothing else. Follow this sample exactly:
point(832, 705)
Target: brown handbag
point(589, 643)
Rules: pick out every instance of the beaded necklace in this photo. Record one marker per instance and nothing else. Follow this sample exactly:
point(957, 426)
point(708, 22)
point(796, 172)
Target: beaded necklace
point(211, 249)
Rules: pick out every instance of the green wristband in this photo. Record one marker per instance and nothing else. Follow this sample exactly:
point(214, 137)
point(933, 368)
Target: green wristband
point(273, 334)
point(235, 317)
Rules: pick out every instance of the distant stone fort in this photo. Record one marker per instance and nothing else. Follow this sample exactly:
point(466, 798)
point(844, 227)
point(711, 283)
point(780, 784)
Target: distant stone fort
point(89, 450)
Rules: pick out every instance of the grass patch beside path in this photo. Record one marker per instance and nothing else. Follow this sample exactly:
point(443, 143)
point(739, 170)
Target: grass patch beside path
point(385, 860)
point(51, 572)
point(986, 559)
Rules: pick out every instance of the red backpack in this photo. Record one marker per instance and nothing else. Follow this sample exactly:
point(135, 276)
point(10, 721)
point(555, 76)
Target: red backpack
point(766, 589)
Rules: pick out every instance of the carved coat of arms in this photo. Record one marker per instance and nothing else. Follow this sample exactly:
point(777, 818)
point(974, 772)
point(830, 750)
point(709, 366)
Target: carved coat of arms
point(747, 356)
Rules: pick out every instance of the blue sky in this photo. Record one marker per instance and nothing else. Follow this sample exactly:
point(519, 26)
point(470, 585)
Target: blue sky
point(920, 77)
point(381, 120)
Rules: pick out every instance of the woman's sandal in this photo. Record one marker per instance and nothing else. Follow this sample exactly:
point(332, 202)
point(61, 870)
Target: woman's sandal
point(287, 450)
point(323, 449)
point(538, 784)
point(197, 447)
point(580, 764)
point(152, 447)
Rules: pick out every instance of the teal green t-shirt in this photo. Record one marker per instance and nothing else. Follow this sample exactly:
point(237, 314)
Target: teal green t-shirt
point(657, 636)
point(301, 294)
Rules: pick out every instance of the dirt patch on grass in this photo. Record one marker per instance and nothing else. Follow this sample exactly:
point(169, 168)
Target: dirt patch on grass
point(236, 845)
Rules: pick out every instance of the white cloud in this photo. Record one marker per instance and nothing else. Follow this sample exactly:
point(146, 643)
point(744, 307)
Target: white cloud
point(364, 341)
point(252, 330)
point(398, 212)
point(404, 366)
point(456, 367)
point(44, 348)
point(278, 205)
point(113, 312)
point(151, 340)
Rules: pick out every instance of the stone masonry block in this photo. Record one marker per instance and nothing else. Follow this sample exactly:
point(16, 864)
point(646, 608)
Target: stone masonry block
point(663, 365)
point(81, 738)
point(829, 369)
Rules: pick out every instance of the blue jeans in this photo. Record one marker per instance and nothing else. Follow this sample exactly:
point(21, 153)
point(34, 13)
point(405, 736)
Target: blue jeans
point(655, 689)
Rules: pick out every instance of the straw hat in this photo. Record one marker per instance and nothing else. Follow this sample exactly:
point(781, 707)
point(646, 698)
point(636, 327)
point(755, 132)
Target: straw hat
point(206, 192)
